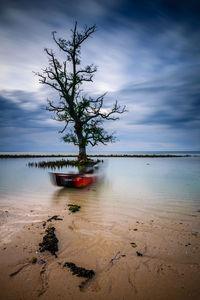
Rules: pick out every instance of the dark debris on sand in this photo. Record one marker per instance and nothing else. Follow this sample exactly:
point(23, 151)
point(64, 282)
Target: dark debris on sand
point(50, 242)
point(56, 218)
point(44, 224)
point(80, 272)
point(138, 253)
point(133, 244)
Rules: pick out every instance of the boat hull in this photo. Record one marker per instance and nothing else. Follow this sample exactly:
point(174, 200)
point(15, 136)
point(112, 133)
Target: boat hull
point(73, 180)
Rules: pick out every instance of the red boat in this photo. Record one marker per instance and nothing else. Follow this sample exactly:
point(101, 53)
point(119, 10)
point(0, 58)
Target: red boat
point(75, 180)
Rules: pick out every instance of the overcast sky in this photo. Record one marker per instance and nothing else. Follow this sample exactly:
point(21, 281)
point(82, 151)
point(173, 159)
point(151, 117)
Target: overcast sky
point(147, 53)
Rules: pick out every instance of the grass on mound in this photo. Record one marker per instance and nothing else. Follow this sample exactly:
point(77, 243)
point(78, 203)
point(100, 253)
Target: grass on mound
point(62, 163)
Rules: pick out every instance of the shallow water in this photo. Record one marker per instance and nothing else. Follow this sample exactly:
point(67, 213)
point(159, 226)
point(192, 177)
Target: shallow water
point(131, 188)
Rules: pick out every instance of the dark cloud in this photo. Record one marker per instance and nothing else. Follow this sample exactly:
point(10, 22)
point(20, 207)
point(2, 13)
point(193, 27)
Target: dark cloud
point(172, 119)
point(16, 112)
point(142, 11)
point(26, 129)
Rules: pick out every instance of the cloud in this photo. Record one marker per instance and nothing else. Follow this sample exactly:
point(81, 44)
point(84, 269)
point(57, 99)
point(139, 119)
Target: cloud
point(147, 54)
point(27, 129)
point(18, 110)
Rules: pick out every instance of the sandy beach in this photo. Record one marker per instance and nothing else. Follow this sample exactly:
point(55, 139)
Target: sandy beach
point(137, 232)
point(167, 266)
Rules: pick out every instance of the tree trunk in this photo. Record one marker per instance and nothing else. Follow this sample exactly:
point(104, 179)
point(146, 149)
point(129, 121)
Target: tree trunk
point(82, 153)
point(82, 148)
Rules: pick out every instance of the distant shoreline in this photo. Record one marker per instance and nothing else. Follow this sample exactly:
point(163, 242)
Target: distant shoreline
point(98, 155)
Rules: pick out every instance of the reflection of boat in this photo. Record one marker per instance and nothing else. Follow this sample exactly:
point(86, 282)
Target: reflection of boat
point(75, 180)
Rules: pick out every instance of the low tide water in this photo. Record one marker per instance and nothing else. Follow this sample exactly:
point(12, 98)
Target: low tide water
point(130, 188)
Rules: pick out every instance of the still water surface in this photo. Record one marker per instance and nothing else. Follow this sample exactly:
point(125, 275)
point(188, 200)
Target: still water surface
point(163, 188)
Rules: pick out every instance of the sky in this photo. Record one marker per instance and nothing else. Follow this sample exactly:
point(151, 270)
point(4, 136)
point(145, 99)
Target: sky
point(148, 58)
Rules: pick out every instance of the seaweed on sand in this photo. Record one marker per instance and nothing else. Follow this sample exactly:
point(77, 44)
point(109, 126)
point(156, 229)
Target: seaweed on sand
point(50, 242)
point(74, 208)
point(80, 272)
point(34, 260)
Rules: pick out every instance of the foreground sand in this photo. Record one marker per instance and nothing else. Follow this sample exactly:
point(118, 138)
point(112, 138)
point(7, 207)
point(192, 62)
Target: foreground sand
point(168, 269)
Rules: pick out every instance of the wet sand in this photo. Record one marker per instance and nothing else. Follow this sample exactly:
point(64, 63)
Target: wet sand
point(169, 267)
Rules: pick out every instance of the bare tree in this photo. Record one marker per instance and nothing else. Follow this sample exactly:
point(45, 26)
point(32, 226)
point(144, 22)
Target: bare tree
point(83, 112)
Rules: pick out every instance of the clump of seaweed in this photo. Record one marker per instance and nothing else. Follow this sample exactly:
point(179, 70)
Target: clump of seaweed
point(74, 208)
point(50, 242)
point(80, 272)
